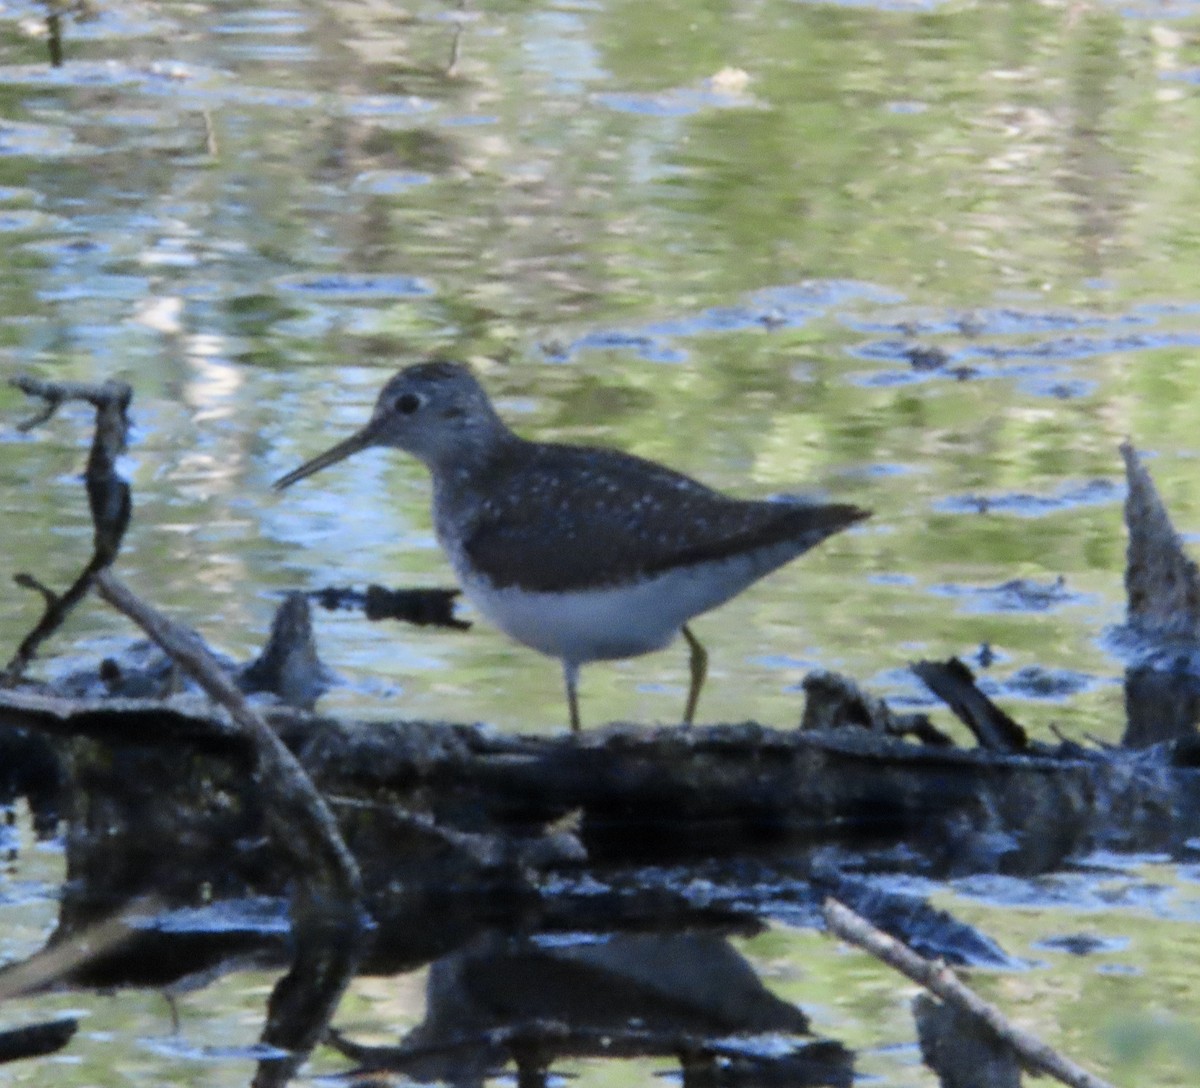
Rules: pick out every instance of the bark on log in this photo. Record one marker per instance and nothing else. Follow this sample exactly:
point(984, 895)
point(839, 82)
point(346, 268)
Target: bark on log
point(966, 810)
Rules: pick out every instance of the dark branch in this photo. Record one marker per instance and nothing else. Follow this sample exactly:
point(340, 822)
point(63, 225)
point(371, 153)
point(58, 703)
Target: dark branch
point(36, 1040)
point(953, 683)
point(108, 499)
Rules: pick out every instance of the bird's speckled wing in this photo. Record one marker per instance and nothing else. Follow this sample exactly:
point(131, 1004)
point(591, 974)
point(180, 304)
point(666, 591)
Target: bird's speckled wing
point(619, 517)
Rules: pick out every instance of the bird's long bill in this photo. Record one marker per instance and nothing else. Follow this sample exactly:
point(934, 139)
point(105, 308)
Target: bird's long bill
point(340, 452)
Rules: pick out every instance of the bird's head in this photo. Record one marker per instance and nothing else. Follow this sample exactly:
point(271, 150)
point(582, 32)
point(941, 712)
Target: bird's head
point(436, 410)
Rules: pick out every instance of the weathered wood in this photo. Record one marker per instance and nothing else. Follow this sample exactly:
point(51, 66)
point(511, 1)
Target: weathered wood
point(329, 923)
point(833, 701)
point(1162, 583)
point(965, 809)
point(420, 607)
point(942, 982)
point(953, 683)
point(289, 666)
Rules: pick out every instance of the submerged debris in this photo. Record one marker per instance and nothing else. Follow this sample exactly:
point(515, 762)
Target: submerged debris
point(837, 702)
point(36, 1040)
point(289, 666)
point(422, 607)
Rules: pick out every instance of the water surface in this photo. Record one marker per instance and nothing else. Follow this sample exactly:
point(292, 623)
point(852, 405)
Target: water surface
point(934, 259)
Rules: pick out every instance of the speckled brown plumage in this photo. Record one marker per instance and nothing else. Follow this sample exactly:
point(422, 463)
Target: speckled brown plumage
point(553, 517)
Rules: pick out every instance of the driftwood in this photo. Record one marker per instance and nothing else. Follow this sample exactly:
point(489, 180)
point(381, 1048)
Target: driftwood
point(963, 809)
point(421, 607)
point(943, 983)
point(1161, 635)
point(835, 702)
point(289, 666)
point(952, 682)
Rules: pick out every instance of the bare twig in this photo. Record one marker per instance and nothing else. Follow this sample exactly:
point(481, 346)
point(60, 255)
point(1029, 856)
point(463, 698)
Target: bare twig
point(28, 581)
point(939, 980)
point(301, 820)
point(56, 610)
point(108, 499)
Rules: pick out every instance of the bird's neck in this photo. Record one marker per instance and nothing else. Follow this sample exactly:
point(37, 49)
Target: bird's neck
point(465, 446)
point(472, 470)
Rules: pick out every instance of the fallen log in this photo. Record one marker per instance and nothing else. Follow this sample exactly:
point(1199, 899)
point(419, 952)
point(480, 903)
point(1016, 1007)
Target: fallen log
point(965, 810)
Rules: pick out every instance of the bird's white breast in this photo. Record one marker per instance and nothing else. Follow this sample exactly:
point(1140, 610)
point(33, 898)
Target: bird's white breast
point(610, 622)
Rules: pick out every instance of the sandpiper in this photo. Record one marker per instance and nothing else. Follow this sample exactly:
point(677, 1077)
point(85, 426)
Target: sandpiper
point(582, 553)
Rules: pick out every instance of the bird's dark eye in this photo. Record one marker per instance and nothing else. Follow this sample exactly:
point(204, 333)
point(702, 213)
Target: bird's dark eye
point(407, 403)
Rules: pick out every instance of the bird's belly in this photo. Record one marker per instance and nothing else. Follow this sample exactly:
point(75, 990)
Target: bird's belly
point(588, 625)
point(612, 622)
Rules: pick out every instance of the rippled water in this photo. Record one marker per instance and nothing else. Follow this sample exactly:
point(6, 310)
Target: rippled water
point(934, 259)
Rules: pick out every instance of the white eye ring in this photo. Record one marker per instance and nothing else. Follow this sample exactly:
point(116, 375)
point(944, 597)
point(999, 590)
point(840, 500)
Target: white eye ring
point(407, 403)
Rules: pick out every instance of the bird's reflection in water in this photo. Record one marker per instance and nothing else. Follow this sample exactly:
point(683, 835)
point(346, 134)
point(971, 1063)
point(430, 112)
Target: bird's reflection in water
point(533, 1001)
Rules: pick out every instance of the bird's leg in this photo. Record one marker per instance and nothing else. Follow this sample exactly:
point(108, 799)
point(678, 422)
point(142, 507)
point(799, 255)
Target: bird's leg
point(571, 676)
point(698, 662)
